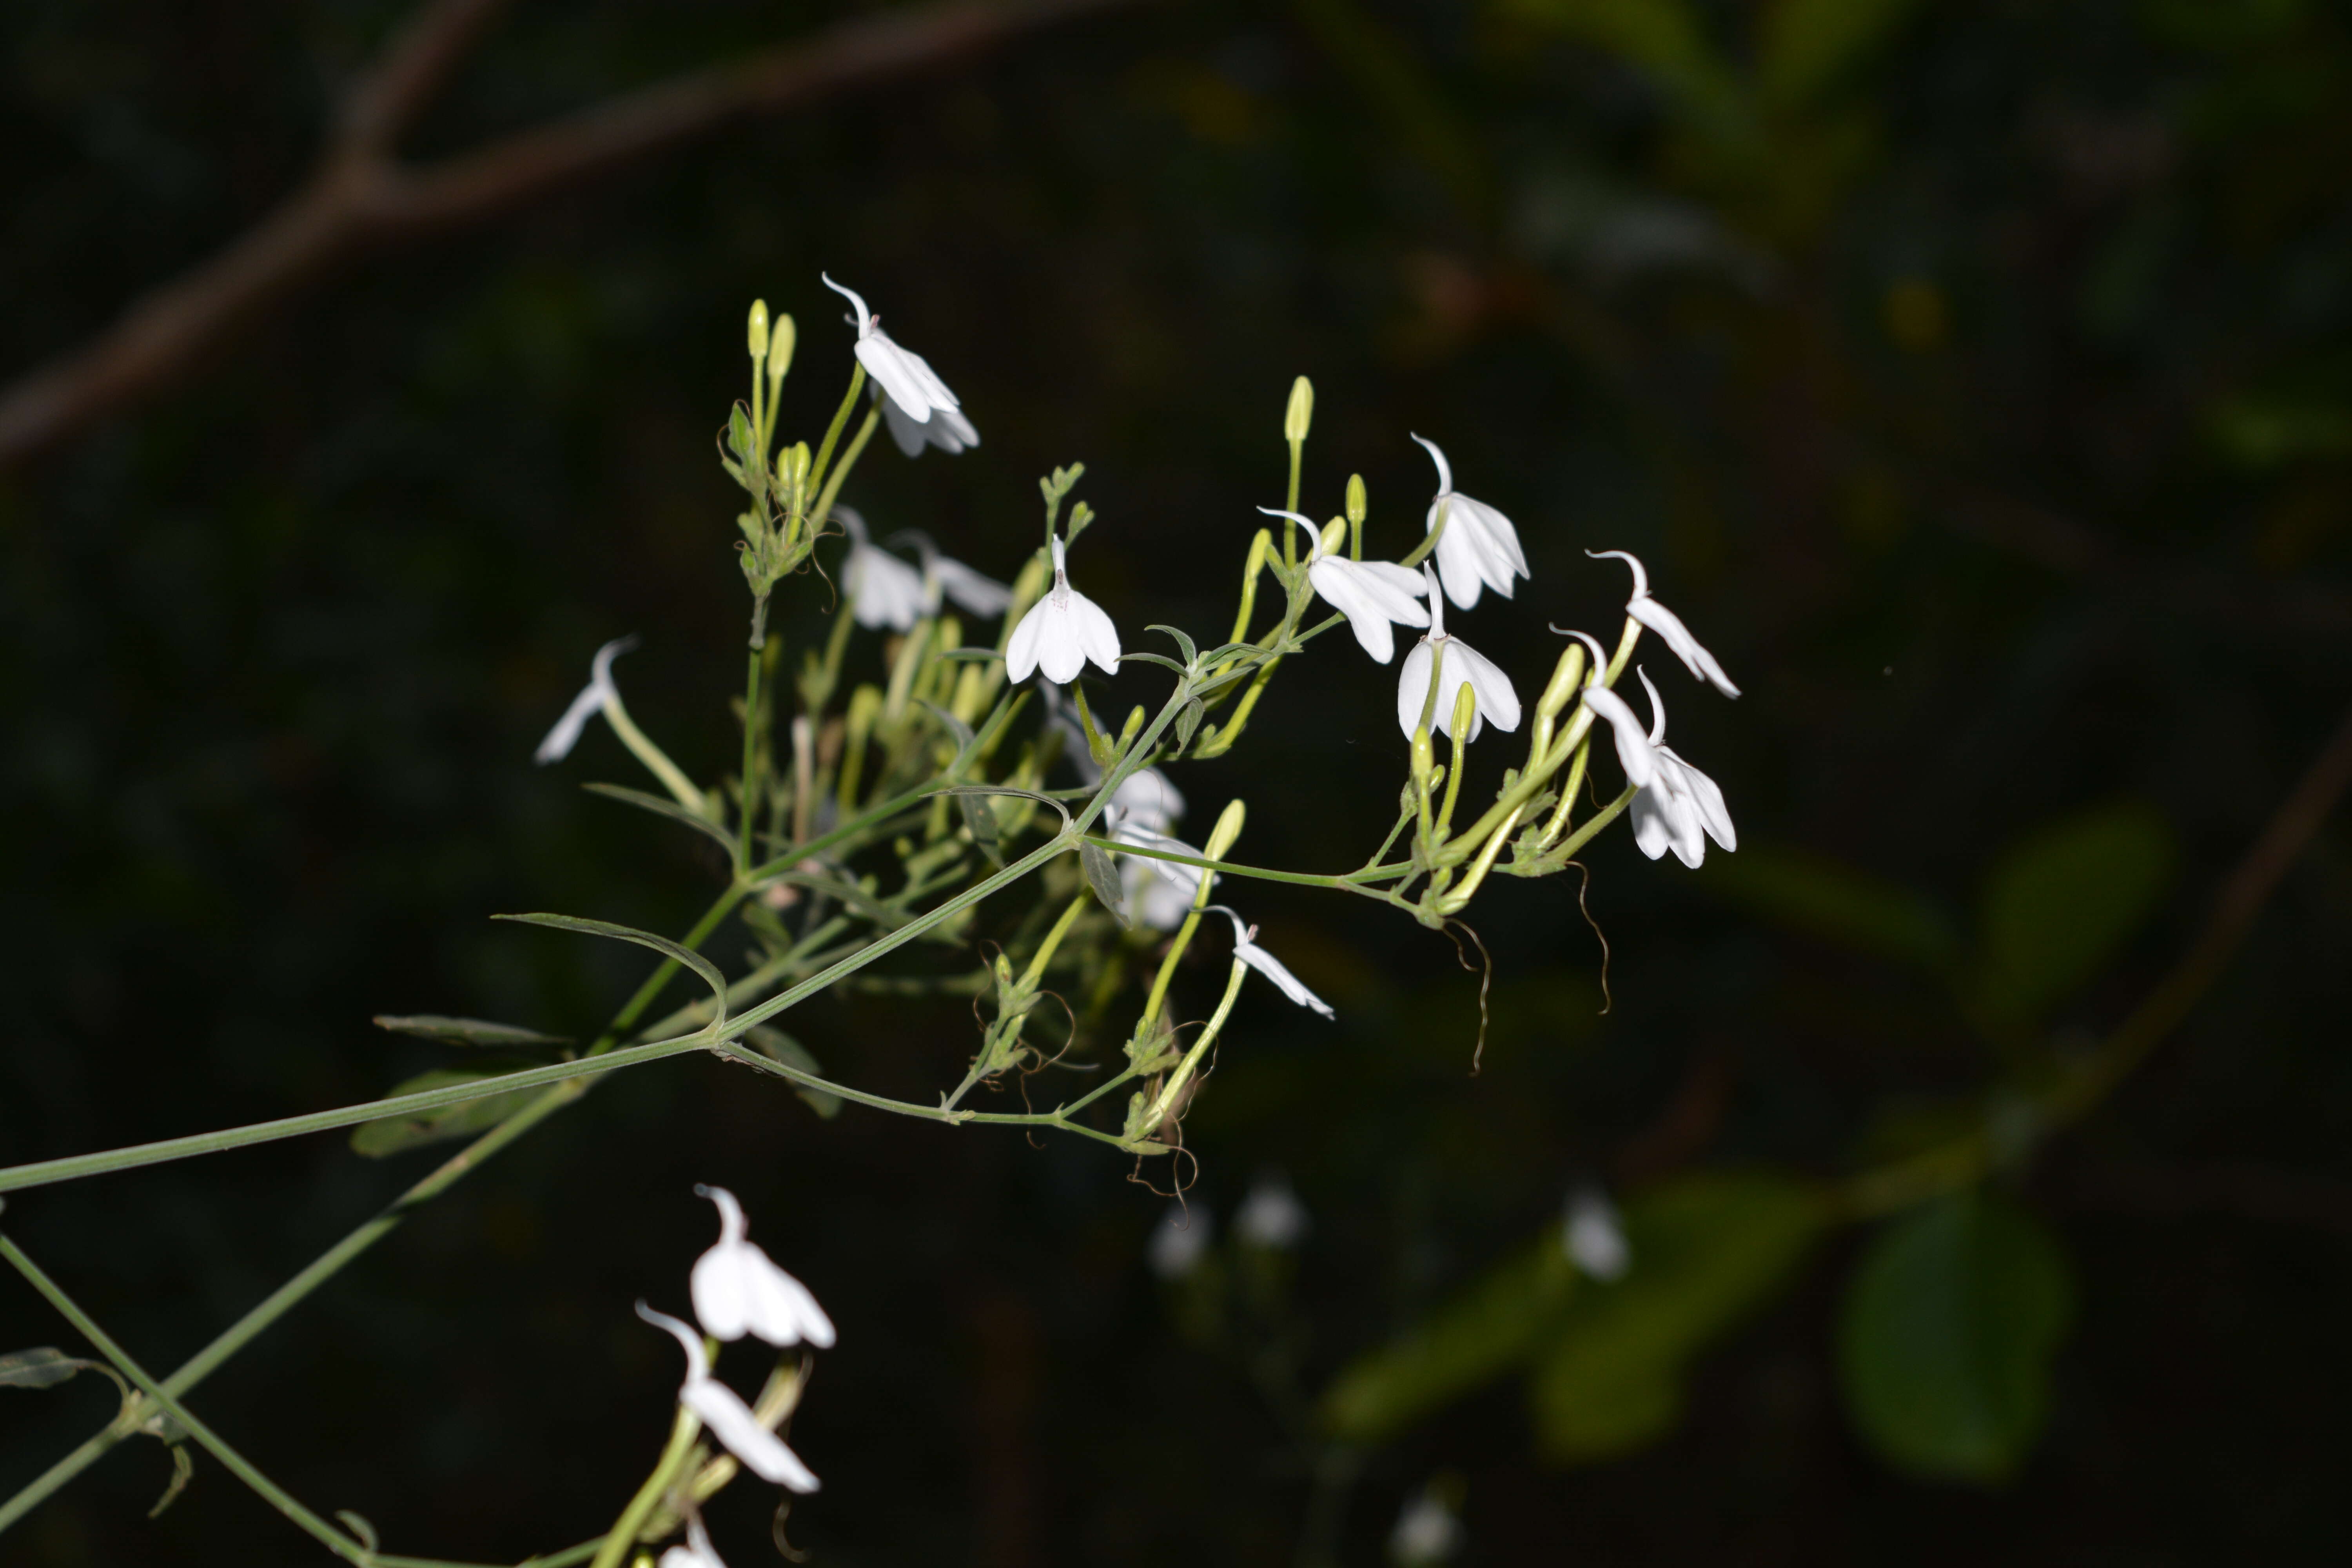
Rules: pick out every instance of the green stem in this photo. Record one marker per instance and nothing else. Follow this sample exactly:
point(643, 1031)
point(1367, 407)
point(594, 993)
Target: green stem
point(1304, 879)
point(1184, 1070)
point(656, 760)
point(750, 753)
point(832, 432)
point(849, 461)
point(623, 1534)
point(334, 1540)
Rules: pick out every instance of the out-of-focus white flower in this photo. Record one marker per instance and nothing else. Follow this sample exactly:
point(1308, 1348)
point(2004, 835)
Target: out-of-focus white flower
point(1148, 800)
point(1668, 625)
point(1271, 1215)
point(970, 591)
point(730, 1420)
point(1061, 632)
point(1247, 948)
point(738, 1289)
point(883, 591)
point(1479, 548)
point(697, 1552)
point(1370, 594)
point(1426, 1532)
point(916, 405)
point(591, 701)
point(1594, 1238)
point(1158, 892)
point(1677, 806)
point(1178, 1240)
point(1463, 665)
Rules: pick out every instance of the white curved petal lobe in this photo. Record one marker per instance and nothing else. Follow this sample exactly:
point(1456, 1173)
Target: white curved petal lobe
point(1678, 636)
point(1633, 750)
point(730, 1421)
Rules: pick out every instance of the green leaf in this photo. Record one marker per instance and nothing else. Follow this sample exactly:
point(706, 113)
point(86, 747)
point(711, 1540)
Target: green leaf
point(661, 807)
point(464, 1031)
point(183, 1470)
point(1183, 643)
point(778, 1047)
point(1707, 1250)
point(1188, 721)
point(391, 1134)
point(661, 944)
point(2061, 903)
point(1836, 902)
point(1102, 878)
point(1473, 1340)
point(43, 1367)
point(1947, 1336)
point(1807, 47)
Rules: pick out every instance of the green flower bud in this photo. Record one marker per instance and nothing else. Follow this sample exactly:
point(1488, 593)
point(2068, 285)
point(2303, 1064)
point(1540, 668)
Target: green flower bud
point(1301, 412)
point(757, 332)
point(1359, 505)
point(780, 342)
point(1228, 828)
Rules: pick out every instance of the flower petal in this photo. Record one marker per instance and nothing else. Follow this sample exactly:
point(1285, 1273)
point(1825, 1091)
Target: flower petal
point(1708, 798)
point(1497, 699)
point(1095, 635)
point(910, 434)
point(980, 596)
point(1669, 625)
point(1444, 468)
point(1652, 829)
point(731, 1421)
point(1412, 688)
point(1022, 652)
point(887, 364)
point(1633, 751)
point(783, 1311)
point(1458, 563)
point(1266, 963)
point(884, 591)
point(1498, 542)
point(1355, 601)
point(566, 733)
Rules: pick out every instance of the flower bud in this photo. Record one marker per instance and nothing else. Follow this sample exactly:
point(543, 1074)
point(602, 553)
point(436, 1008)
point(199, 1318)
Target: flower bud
point(1566, 677)
point(793, 468)
point(756, 333)
point(1359, 505)
point(1301, 412)
point(781, 340)
point(1228, 828)
point(1425, 757)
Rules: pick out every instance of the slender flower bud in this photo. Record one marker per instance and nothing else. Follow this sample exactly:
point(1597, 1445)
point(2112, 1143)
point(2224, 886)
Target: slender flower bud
point(1358, 506)
point(1566, 677)
point(1228, 830)
point(781, 339)
point(1301, 412)
point(756, 331)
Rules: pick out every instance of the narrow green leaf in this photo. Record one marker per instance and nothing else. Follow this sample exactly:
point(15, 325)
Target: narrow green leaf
point(183, 1470)
point(778, 1047)
point(464, 1031)
point(43, 1367)
point(661, 806)
point(391, 1134)
point(980, 820)
point(1188, 721)
point(1836, 902)
point(1490, 1328)
point(1947, 1336)
point(1183, 643)
point(2061, 903)
point(1707, 1250)
point(661, 944)
point(1102, 876)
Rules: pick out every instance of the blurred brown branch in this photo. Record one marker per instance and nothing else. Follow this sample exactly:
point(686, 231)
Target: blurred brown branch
point(362, 198)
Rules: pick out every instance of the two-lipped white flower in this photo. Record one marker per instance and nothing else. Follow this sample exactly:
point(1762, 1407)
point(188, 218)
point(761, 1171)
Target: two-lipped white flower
point(1370, 594)
point(592, 700)
point(968, 590)
point(1159, 893)
point(1479, 548)
point(1147, 799)
point(916, 403)
point(1247, 950)
point(1676, 807)
point(738, 1289)
point(696, 1552)
point(1061, 632)
point(1270, 1216)
point(1593, 1238)
point(1668, 625)
point(883, 590)
point(1462, 665)
point(728, 1419)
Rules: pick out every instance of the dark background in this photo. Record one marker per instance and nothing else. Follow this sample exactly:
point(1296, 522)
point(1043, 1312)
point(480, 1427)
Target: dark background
point(1986, 405)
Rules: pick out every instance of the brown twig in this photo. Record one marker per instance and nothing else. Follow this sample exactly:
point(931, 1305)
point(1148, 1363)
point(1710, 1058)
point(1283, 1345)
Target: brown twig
point(362, 198)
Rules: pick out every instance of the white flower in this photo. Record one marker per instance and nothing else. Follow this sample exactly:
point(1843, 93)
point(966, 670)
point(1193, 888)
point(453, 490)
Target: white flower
point(730, 1420)
point(1271, 1215)
point(971, 591)
point(1677, 806)
point(1593, 1238)
point(1463, 665)
point(1158, 892)
point(1245, 948)
point(918, 407)
point(1147, 799)
point(1426, 1532)
point(738, 1289)
point(1061, 632)
point(1668, 625)
point(1179, 1241)
point(1370, 594)
point(1479, 548)
point(697, 1552)
point(883, 591)
point(592, 700)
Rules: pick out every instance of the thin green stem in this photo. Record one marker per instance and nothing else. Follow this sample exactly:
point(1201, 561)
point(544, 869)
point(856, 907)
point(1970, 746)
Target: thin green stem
point(335, 1541)
point(1304, 879)
point(1160, 1107)
point(833, 431)
point(623, 1534)
point(656, 760)
point(750, 780)
point(823, 507)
